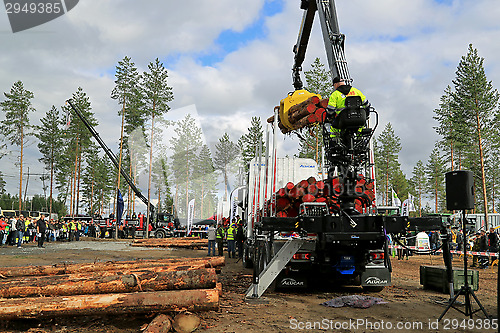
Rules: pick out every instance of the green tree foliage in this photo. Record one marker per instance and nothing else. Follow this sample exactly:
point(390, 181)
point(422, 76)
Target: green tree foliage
point(157, 94)
point(125, 91)
point(387, 147)
point(225, 158)
point(77, 141)
point(205, 180)
point(98, 180)
point(434, 172)
point(16, 125)
point(50, 144)
point(249, 142)
point(476, 104)
point(418, 184)
point(185, 148)
point(318, 81)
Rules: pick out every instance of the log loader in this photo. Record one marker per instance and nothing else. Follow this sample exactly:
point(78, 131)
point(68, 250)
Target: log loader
point(340, 239)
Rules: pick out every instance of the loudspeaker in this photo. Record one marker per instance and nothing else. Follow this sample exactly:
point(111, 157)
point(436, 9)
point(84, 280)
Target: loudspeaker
point(459, 190)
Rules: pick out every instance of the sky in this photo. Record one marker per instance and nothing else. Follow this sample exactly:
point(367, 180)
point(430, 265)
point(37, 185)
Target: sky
point(230, 60)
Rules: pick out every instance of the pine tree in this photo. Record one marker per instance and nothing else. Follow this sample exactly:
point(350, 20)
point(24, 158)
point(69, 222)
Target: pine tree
point(157, 95)
point(225, 157)
point(318, 81)
point(434, 171)
point(205, 180)
point(50, 144)
point(16, 125)
point(418, 183)
point(387, 148)
point(125, 90)
point(476, 103)
point(185, 147)
point(249, 142)
point(78, 140)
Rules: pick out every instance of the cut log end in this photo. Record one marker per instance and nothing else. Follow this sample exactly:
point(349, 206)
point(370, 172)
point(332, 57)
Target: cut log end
point(186, 322)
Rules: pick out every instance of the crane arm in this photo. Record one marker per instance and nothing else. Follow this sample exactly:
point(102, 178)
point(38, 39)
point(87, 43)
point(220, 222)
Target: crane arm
point(332, 38)
point(111, 156)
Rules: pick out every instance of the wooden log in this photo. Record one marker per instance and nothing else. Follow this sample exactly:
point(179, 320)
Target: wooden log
point(161, 324)
point(301, 112)
point(176, 264)
point(83, 284)
point(323, 103)
point(186, 323)
point(83, 305)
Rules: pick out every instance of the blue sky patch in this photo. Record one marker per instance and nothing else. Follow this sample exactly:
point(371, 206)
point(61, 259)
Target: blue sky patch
point(229, 40)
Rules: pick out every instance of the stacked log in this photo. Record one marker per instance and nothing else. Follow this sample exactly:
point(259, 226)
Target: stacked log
point(181, 242)
point(305, 114)
point(290, 197)
point(157, 286)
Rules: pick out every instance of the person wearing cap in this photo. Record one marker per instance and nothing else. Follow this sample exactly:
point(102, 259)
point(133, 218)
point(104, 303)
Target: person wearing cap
point(337, 100)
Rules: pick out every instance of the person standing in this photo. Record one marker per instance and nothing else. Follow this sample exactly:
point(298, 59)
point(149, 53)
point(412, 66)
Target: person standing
point(41, 227)
point(240, 238)
point(220, 234)
point(211, 240)
point(20, 227)
point(231, 233)
point(492, 242)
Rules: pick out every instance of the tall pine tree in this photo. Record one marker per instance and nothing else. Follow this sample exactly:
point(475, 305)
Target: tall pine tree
point(16, 125)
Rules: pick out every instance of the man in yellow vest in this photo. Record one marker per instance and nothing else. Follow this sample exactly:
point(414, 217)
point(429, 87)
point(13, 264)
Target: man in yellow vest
point(337, 101)
point(231, 235)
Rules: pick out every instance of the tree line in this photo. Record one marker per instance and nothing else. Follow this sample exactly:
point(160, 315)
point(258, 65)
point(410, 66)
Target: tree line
point(467, 120)
point(186, 168)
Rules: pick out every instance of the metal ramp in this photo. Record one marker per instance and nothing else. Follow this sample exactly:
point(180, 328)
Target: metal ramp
point(274, 267)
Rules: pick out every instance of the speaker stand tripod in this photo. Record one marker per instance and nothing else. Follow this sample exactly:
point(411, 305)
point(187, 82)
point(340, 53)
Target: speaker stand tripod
point(465, 290)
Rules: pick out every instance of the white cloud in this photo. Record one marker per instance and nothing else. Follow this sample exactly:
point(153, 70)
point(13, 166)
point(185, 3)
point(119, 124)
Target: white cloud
point(402, 55)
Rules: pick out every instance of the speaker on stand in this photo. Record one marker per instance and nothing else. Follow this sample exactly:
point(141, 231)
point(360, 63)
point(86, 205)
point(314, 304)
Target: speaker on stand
point(460, 196)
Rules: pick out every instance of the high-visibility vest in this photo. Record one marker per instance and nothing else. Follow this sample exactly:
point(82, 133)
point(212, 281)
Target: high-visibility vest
point(220, 233)
point(231, 232)
point(337, 99)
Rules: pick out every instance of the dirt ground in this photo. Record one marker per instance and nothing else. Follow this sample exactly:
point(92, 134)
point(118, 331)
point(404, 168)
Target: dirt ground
point(407, 308)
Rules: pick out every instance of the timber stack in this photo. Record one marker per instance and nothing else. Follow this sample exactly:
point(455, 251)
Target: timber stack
point(181, 242)
point(305, 114)
point(291, 196)
point(149, 286)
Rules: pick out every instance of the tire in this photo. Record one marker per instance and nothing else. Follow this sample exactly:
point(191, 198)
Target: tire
point(373, 289)
point(160, 234)
point(247, 262)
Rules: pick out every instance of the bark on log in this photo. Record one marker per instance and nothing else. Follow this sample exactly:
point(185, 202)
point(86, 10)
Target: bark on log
point(81, 305)
point(161, 324)
point(176, 264)
point(147, 280)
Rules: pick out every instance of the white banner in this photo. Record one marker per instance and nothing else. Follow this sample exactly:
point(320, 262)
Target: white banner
point(190, 216)
point(404, 208)
point(395, 200)
point(234, 206)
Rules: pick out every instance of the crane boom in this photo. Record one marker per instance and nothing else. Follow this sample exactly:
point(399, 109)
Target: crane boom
point(111, 156)
point(332, 38)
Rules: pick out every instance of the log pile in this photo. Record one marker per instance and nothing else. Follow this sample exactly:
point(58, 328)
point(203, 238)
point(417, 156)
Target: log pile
point(302, 115)
point(111, 288)
point(182, 242)
point(291, 196)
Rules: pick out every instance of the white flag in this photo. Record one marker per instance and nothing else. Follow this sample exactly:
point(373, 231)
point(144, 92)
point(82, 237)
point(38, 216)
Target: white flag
point(411, 206)
point(190, 216)
point(395, 200)
point(404, 208)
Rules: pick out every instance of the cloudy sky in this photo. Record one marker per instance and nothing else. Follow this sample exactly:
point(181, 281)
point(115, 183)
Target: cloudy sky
point(229, 60)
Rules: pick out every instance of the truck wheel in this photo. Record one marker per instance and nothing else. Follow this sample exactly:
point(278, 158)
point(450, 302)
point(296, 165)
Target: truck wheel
point(247, 262)
point(373, 289)
point(160, 234)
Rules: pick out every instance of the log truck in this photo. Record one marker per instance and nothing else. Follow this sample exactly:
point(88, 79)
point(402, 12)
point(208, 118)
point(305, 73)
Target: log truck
point(339, 239)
